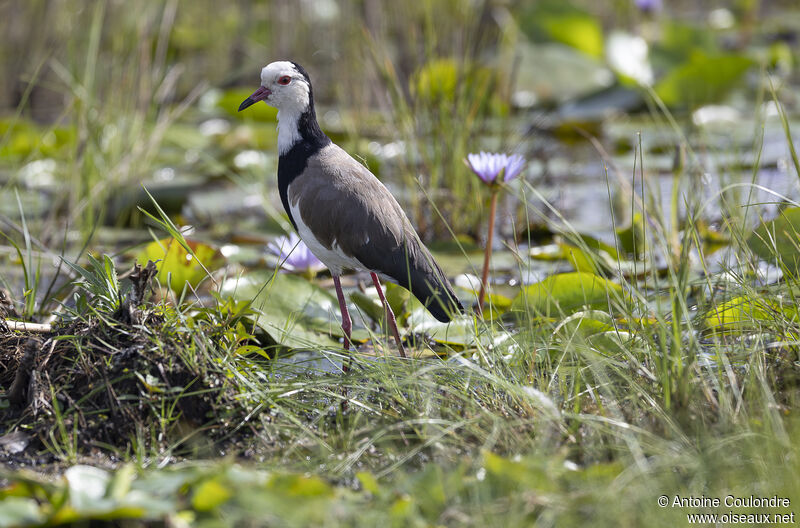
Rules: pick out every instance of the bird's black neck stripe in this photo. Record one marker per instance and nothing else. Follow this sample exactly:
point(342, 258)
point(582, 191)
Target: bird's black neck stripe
point(292, 163)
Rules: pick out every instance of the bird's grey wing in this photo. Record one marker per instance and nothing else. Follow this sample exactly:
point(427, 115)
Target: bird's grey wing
point(345, 206)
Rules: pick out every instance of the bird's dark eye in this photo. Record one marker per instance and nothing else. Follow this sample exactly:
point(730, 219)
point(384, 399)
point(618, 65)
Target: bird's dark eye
point(285, 80)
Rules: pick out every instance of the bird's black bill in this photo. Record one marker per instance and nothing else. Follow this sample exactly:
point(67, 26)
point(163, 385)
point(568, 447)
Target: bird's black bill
point(259, 95)
point(247, 102)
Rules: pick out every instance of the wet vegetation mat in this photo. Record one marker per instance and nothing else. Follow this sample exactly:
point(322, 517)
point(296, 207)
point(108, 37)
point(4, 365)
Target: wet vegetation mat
point(108, 379)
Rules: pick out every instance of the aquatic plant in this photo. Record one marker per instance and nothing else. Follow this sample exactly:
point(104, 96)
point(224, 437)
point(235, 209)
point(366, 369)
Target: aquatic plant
point(294, 255)
point(494, 170)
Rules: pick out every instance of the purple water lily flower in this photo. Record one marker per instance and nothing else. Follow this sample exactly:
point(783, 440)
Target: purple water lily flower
point(294, 254)
point(488, 166)
point(649, 6)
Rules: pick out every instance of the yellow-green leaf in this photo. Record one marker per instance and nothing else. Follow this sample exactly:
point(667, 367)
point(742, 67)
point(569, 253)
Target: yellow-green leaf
point(368, 482)
point(565, 293)
point(744, 312)
point(176, 266)
point(209, 495)
point(779, 239)
point(576, 29)
point(703, 79)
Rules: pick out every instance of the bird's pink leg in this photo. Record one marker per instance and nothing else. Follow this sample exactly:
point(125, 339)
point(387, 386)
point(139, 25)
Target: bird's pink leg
point(389, 314)
point(347, 324)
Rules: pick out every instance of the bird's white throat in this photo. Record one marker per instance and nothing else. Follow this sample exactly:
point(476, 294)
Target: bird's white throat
point(288, 129)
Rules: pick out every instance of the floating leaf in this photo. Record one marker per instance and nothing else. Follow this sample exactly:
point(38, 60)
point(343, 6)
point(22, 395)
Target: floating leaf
point(369, 306)
point(402, 508)
point(302, 486)
point(19, 511)
point(87, 486)
point(368, 482)
point(679, 41)
point(498, 304)
point(627, 55)
point(712, 237)
point(779, 239)
point(589, 254)
point(246, 350)
point(744, 313)
point(294, 312)
point(565, 293)
point(121, 481)
point(703, 79)
point(632, 238)
point(553, 73)
point(185, 136)
point(575, 29)
point(24, 138)
point(507, 470)
point(553, 20)
point(600, 259)
point(176, 266)
point(209, 495)
point(460, 332)
point(587, 322)
point(400, 300)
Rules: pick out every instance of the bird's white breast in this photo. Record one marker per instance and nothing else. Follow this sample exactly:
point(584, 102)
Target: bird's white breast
point(288, 131)
point(334, 259)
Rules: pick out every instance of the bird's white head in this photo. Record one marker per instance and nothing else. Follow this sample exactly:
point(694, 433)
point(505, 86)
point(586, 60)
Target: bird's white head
point(285, 86)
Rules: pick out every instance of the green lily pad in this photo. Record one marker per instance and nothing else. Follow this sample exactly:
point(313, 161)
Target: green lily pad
point(87, 485)
point(460, 332)
point(779, 239)
point(176, 266)
point(455, 262)
point(603, 259)
point(499, 304)
point(632, 238)
point(564, 23)
point(369, 306)
point(566, 293)
point(294, 312)
point(577, 30)
point(589, 254)
point(712, 238)
point(745, 313)
point(586, 323)
point(400, 301)
point(703, 79)
point(209, 495)
point(25, 138)
point(681, 39)
point(20, 511)
point(554, 73)
point(301, 486)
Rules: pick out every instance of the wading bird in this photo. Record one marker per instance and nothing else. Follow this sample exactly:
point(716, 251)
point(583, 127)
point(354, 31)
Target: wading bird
point(343, 213)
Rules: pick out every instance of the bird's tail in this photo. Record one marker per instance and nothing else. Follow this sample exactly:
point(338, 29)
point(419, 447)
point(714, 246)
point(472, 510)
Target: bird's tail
point(430, 285)
point(411, 266)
